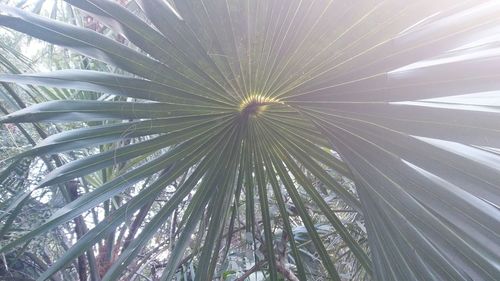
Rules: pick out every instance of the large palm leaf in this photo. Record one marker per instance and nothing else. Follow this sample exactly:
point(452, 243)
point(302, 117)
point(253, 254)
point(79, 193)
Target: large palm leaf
point(247, 95)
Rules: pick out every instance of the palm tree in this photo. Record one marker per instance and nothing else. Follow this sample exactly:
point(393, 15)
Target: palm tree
point(245, 97)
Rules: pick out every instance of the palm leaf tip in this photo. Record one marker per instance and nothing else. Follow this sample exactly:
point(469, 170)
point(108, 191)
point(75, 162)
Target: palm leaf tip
point(223, 108)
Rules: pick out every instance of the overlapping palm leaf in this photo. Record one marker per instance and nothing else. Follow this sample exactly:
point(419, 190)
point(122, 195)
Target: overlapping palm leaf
point(247, 95)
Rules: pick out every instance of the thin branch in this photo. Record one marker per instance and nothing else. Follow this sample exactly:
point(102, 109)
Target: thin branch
point(253, 269)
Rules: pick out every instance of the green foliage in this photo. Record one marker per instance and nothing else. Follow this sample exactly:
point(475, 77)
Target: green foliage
point(267, 115)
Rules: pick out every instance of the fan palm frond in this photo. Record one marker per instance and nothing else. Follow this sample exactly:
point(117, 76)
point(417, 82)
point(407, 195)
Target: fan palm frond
point(247, 96)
